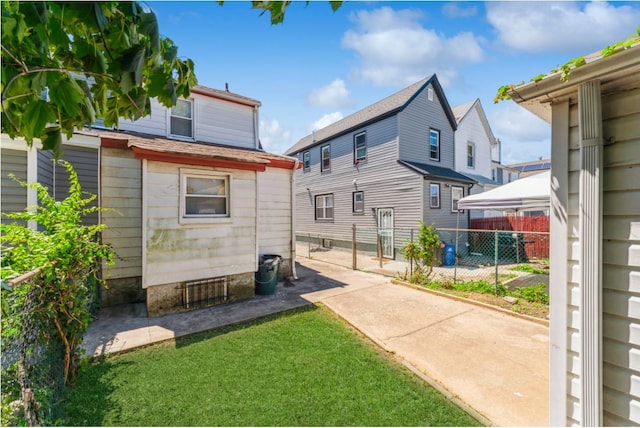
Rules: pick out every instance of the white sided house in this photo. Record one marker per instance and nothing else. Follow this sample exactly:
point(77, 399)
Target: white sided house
point(595, 238)
point(192, 202)
point(475, 148)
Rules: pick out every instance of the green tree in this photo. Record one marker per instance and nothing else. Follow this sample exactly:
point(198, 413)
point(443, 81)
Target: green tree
point(423, 252)
point(64, 64)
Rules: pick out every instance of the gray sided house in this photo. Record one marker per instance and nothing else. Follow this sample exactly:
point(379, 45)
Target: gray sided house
point(595, 238)
point(389, 165)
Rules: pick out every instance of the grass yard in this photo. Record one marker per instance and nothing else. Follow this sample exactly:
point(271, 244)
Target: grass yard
point(301, 368)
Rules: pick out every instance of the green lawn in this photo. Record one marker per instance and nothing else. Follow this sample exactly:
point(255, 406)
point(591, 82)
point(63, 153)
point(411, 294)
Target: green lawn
point(302, 368)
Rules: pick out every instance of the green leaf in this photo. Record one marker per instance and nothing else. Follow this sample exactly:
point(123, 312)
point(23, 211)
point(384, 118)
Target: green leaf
point(149, 27)
point(101, 20)
point(67, 95)
point(52, 140)
point(38, 114)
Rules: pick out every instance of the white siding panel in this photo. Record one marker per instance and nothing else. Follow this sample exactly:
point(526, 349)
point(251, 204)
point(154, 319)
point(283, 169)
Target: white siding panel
point(154, 124)
point(621, 406)
point(178, 252)
point(223, 122)
point(274, 212)
point(121, 193)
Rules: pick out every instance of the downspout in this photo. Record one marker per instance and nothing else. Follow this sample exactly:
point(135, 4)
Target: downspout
point(292, 254)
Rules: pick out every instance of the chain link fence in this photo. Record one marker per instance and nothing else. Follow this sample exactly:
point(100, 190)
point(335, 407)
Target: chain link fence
point(510, 258)
point(32, 361)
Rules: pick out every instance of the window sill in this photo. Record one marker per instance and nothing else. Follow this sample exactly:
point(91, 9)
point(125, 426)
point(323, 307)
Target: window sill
point(196, 221)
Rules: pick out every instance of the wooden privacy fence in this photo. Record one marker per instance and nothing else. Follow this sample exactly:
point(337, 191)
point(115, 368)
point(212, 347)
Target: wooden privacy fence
point(535, 245)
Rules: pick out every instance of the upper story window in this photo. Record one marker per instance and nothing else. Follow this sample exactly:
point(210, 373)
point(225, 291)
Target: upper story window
point(457, 193)
point(324, 207)
point(359, 147)
point(434, 195)
point(434, 145)
point(306, 161)
point(325, 158)
point(181, 123)
point(203, 195)
point(471, 155)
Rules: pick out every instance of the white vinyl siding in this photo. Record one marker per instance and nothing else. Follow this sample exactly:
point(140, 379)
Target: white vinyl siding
point(176, 252)
point(274, 212)
point(121, 193)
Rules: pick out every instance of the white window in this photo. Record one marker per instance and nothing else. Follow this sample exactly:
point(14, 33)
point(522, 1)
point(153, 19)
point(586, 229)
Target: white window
point(181, 121)
point(457, 193)
point(324, 207)
point(325, 154)
point(306, 161)
point(203, 195)
point(358, 202)
point(471, 155)
point(434, 195)
point(434, 145)
point(359, 147)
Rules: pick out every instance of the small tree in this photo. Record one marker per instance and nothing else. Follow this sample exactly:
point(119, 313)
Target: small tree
point(422, 252)
point(68, 255)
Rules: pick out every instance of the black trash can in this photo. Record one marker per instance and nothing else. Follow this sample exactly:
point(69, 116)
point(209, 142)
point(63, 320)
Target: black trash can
point(267, 275)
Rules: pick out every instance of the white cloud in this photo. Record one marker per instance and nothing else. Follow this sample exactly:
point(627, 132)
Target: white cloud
point(562, 26)
point(395, 49)
point(454, 10)
point(524, 135)
point(326, 120)
point(334, 95)
point(274, 137)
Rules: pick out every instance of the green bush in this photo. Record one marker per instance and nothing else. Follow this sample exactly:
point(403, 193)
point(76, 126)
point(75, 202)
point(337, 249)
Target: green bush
point(422, 252)
point(534, 294)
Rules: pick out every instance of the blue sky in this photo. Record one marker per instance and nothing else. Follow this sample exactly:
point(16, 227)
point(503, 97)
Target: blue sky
point(319, 65)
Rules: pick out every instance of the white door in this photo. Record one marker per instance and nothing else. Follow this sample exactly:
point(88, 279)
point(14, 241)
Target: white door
point(385, 231)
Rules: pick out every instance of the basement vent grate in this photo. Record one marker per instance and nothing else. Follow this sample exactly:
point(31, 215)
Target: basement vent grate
point(205, 292)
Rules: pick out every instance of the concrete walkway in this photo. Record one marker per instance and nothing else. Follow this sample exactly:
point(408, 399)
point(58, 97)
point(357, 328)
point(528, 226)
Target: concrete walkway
point(494, 364)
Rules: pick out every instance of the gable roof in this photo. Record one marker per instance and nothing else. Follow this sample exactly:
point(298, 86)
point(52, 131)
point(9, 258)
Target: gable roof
point(225, 95)
point(436, 172)
point(461, 111)
point(373, 113)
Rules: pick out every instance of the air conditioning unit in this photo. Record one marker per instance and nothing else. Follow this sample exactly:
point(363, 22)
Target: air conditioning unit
point(327, 243)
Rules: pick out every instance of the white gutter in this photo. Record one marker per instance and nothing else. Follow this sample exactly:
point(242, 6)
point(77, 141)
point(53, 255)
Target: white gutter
point(293, 219)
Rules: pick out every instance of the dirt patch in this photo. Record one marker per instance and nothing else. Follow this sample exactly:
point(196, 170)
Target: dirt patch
point(522, 306)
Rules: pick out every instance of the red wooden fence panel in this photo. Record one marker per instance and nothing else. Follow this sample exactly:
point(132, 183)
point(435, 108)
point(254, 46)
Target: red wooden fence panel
point(536, 244)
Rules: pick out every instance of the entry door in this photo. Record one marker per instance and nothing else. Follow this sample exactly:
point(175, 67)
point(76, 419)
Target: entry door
point(385, 231)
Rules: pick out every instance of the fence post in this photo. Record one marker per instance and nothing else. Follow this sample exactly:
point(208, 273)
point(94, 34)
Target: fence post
point(410, 258)
point(495, 256)
point(354, 248)
point(380, 249)
point(309, 246)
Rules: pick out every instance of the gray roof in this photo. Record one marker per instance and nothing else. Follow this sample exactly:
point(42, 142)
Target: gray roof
point(436, 172)
point(377, 111)
point(461, 110)
point(483, 180)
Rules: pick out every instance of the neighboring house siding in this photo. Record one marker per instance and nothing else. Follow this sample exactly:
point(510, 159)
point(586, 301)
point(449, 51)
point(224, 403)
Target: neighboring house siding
point(621, 264)
point(14, 196)
point(274, 212)
point(215, 121)
point(471, 130)
point(177, 252)
point(414, 123)
point(621, 259)
point(121, 194)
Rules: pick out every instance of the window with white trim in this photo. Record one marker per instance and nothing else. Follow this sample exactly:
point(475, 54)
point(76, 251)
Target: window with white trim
point(306, 161)
point(324, 207)
point(434, 144)
point(457, 193)
point(181, 119)
point(325, 158)
point(434, 195)
point(358, 202)
point(359, 147)
point(204, 195)
point(471, 155)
